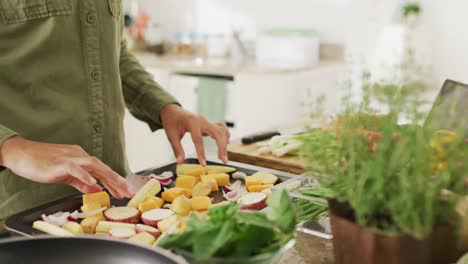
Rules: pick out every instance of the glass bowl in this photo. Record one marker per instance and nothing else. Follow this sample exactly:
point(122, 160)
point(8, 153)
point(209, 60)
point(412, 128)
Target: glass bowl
point(319, 227)
point(265, 258)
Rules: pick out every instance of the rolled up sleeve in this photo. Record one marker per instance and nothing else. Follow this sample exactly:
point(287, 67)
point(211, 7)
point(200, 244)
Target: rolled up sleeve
point(6, 133)
point(144, 97)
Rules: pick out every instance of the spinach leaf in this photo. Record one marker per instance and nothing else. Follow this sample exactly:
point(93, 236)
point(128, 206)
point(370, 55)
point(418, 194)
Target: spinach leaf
point(228, 231)
point(253, 218)
point(219, 214)
point(281, 211)
point(180, 241)
point(208, 242)
point(252, 238)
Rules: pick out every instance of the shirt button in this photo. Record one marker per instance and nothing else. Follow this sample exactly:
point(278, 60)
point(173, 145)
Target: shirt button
point(97, 127)
point(95, 75)
point(91, 18)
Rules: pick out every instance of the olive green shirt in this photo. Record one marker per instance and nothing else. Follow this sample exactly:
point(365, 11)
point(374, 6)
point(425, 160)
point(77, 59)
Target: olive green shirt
point(65, 77)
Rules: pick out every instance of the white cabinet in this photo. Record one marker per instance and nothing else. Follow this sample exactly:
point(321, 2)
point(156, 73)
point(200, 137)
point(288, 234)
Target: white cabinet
point(184, 88)
point(260, 102)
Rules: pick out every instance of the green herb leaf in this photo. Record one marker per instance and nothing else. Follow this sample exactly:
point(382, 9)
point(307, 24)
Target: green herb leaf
point(281, 211)
point(208, 242)
point(252, 238)
point(180, 241)
point(231, 232)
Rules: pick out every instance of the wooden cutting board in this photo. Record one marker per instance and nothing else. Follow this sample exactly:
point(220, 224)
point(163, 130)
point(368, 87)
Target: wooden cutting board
point(248, 154)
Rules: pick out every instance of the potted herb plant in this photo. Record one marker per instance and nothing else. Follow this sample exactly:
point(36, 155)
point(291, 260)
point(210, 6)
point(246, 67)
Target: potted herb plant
point(395, 187)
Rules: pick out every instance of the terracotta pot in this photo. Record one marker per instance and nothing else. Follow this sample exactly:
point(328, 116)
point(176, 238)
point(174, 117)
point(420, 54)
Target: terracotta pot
point(355, 244)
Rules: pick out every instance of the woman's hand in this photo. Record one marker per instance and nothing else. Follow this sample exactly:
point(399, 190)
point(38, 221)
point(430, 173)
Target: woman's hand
point(56, 163)
point(177, 122)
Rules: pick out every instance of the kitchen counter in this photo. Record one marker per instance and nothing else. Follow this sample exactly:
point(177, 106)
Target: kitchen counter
point(309, 249)
point(220, 66)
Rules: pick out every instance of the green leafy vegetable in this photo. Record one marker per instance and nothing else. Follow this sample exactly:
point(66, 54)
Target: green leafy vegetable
point(317, 191)
point(246, 246)
point(307, 210)
point(231, 232)
point(281, 212)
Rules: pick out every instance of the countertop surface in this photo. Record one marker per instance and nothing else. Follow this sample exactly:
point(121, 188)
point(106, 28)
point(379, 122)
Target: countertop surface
point(309, 249)
point(220, 66)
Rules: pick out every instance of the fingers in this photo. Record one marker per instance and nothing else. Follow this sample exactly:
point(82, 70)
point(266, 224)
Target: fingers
point(175, 139)
point(226, 129)
point(80, 174)
point(197, 138)
point(116, 184)
point(220, 137)
point(82, 187)
point(112, 190)
point(220, 134)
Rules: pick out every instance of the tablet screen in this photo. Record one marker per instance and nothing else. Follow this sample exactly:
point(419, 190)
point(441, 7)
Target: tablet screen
point(450, 110)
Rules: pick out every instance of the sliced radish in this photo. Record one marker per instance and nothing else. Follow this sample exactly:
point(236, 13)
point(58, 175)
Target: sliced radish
point(148, 229)
point(136, 182)
point(166, 180)
point(152, 217)
point(253, 201)
point(165, 183)
point(122, 214)
point(167, 175)
point(121, 233)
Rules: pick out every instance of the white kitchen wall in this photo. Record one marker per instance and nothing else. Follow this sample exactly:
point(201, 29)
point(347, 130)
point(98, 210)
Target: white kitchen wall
point(172, 15)
point(445, 28)
point(338, 21)
point(262, 14)
point(357, 23)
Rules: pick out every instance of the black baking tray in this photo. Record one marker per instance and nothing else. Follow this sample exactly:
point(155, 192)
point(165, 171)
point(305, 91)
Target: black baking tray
point(21, 223)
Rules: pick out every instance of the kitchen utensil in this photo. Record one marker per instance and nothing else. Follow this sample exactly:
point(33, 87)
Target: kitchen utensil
point(79, 250)
point(249, 139)
point(259, 137)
